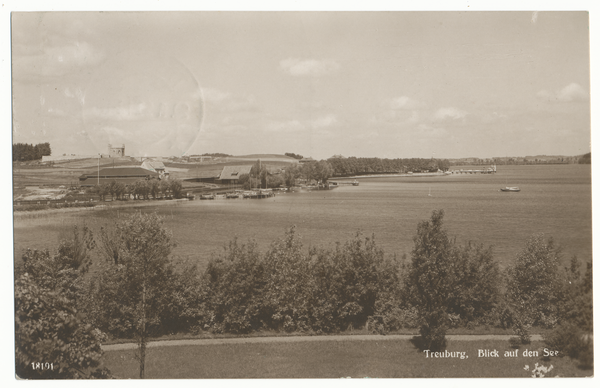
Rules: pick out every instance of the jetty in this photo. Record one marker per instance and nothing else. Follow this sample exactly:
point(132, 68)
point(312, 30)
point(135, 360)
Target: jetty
point(489, 170)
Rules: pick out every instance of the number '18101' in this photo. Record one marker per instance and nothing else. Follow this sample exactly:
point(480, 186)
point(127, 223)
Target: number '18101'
point(42, 365)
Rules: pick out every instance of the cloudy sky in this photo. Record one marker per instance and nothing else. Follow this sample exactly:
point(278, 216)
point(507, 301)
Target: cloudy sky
point(387, 84)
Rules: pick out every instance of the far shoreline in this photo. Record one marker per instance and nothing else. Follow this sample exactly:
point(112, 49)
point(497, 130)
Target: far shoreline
point(417, 174)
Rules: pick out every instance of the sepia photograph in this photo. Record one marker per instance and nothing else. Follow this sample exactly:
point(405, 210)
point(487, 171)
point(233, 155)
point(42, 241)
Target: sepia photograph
point(300, 194)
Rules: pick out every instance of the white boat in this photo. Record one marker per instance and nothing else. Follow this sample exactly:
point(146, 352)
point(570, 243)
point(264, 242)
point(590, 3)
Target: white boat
point(510, 189)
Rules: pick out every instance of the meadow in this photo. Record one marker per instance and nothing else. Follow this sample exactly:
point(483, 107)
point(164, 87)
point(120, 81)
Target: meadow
point(334, 359)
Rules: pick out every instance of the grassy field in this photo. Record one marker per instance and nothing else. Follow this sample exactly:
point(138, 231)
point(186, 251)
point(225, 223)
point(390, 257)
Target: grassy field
point(356, 359)
point(68, 172)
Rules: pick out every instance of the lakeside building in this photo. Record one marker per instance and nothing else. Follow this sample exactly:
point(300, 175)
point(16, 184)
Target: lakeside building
point(125, 175)
point(231, 174)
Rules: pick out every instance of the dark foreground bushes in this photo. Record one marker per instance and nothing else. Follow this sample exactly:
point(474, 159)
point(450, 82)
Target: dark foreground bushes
point(138, 292)
point(289, 289)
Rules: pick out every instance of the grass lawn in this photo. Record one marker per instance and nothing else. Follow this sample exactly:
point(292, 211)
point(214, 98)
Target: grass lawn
point(356, 359)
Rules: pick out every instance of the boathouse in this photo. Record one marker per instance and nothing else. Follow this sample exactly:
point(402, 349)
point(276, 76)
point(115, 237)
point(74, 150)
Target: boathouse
point(231, 174)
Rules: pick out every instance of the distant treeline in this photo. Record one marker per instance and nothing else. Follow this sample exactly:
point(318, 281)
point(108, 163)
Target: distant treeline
point(293, 155)
point(586, 159)
point(216, 155)
point(23, 152)
point(514, 161)
point(361, 166)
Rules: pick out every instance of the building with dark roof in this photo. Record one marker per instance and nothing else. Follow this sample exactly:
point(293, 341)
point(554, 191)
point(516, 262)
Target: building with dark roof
point(156, 166)
point(231, 174)
point(125, 175)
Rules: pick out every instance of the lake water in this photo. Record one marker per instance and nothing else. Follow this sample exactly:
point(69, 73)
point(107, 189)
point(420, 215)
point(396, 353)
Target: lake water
point(555, 200)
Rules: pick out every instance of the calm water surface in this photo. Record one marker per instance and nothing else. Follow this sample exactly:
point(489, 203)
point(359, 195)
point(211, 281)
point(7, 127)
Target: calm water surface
point(555, 200)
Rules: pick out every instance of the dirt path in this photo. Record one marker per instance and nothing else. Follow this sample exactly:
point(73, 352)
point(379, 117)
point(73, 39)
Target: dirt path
point(222, 341)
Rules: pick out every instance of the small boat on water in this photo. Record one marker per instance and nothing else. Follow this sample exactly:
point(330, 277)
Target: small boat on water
point(355, 183)
point(512, 189)
point(207, 196)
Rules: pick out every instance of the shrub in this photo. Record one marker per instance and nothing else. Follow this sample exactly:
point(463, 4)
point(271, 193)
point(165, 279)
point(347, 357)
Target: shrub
point(573, 336)
point(232, 286)
point(286, 275)
point(534, 283)
point(48, 331)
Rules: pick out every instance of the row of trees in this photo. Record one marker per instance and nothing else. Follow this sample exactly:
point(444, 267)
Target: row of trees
point(138, 292)
point(142, 189)
point(23, 152)
point(293, 155)
point(361, 166)
point(319, 172)
point(585, 159)
point(259, 175)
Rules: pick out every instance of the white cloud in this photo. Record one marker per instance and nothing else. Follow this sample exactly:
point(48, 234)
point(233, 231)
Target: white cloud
point(132, 112)
point(214, 95)
point(401, 110)
point(448, 114)
point(56, 112)
point(67, 92)
point(308, 67)
point(56, 60)
point(285, 126)
point(404, 103)
point(325, 121)
point(570, 93)
point(227, 102)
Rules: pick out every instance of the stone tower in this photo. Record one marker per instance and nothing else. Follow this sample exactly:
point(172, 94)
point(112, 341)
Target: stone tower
point(116, 151)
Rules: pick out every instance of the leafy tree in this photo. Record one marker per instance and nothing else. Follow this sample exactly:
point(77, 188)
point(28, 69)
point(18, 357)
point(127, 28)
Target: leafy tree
point(119, 189)
point(141, 189)
point(233, 284)
point(134, 294)
point(153, 188)
point(346, 284)
point(102, 190)
point(163, 187)
point(573, 336)
point(286, 283)
point(430, 280)
point(534, 282)
point(49, 327)
point(49, 332)
point(290, 175)
point(176, 187)
point(112, 189)
point(478, 283)
point(321, 170)
point(274, 181)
